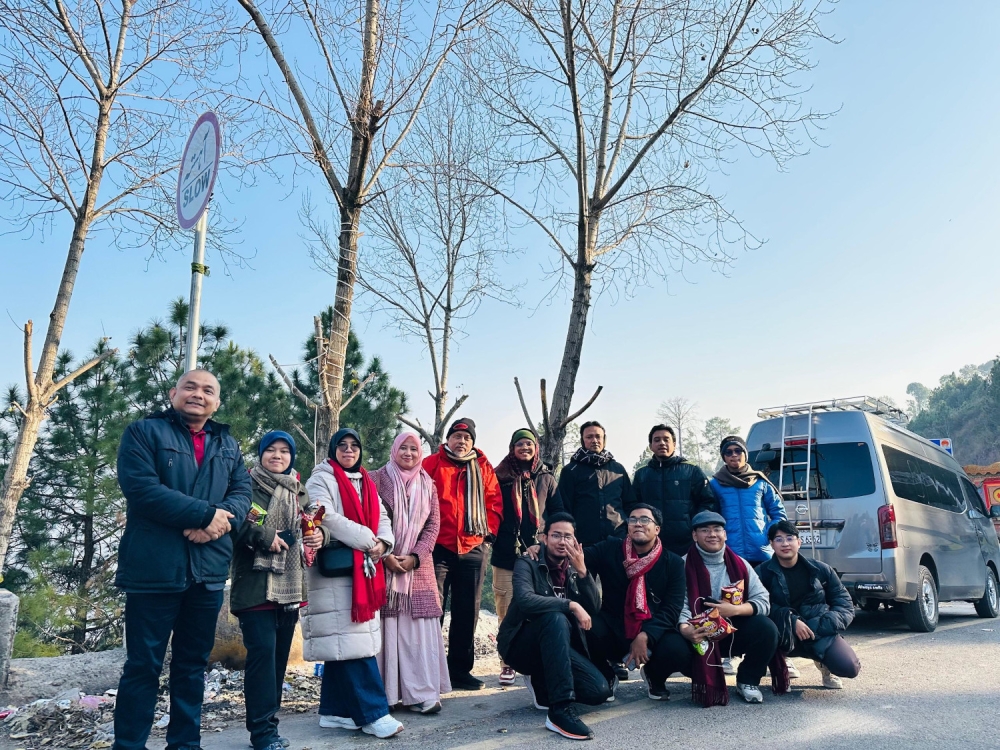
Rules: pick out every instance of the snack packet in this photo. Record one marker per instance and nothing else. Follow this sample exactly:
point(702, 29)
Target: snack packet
point(256, 514)
point(733, 593)
point(712, 625)
point(311, 520)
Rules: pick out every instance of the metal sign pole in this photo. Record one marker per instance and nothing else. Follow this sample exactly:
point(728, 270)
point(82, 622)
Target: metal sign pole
point(198, 271)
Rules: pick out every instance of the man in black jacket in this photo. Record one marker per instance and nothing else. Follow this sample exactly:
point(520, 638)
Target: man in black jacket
point(810, 606)
point(673, 485)
point(593, 488)
point(183, 479)
point(643, 586)
point(543, 635)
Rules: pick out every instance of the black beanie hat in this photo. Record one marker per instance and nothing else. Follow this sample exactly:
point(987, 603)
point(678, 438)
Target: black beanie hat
point(733, 440)
point(465, 425)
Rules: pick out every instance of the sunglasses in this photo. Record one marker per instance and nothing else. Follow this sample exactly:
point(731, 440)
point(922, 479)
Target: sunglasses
point(733, 452)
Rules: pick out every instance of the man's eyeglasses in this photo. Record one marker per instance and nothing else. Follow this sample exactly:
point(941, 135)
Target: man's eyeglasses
point(784, 539)
point(733, 452)
point(641, 521)
point(558, 536)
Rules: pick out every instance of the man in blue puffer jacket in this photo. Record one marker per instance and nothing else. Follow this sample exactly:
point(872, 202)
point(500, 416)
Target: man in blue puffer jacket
point(747, 500)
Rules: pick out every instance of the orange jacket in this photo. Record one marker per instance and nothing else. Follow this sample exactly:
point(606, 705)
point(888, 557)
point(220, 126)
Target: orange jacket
point(449, 478)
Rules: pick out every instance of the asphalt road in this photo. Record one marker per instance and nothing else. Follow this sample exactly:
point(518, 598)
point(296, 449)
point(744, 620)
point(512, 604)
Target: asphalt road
point(933, 690)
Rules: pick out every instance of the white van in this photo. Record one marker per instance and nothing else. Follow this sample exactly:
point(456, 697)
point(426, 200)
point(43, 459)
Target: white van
point(891, 512)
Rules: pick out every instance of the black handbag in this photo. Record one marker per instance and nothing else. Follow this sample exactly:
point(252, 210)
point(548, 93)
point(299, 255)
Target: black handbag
point(335, 560)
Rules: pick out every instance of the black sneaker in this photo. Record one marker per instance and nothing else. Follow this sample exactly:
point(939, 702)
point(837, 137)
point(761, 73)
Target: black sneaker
point(563, 720)
point(466, 682)
point(620, 672)
point(655, 692)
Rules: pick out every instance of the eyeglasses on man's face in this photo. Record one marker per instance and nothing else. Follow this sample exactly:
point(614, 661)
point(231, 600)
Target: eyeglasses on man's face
point(784, 539)
point(640, 521)
point(558, 536)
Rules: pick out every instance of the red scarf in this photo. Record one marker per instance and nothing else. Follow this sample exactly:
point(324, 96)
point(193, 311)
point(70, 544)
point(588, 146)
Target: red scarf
point(636, 607)
point(708, 681)
point(367, 594)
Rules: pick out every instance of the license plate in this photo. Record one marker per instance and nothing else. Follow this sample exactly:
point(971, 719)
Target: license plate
point(807, 538)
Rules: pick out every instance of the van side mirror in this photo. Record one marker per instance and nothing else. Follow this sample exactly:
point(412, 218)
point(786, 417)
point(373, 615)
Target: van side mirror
point(995, 511)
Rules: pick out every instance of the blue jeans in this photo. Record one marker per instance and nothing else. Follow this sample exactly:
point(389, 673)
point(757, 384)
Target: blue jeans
point(353, 689)
point(149, 620)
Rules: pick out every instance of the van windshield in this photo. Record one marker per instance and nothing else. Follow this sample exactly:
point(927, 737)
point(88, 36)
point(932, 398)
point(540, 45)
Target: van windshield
point(836, 470)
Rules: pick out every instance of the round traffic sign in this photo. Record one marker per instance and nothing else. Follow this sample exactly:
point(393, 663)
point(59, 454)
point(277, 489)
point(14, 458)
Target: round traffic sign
point(199, 165)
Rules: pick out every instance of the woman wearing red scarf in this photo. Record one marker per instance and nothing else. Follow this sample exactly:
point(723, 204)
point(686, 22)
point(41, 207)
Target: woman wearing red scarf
point(341, 622)
point(526, 486)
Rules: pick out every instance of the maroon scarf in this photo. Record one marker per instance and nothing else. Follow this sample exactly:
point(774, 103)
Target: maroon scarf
point(511, 469)
point(636, 607)
point(708, 681)
point(367, 594)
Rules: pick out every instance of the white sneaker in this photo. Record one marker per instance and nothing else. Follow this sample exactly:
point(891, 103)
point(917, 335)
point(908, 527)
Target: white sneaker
point(531, 693)
point(383, 728)
point(793, 671)
point(830, 680)
point(750, 693)
point(728, 667)
point(427, 707)
point(337, 722)
point(614, 689)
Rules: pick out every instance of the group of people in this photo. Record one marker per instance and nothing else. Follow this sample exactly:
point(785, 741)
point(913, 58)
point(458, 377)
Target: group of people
point(593, 574)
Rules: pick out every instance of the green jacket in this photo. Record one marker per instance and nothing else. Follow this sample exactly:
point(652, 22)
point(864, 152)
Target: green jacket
point(249, 586)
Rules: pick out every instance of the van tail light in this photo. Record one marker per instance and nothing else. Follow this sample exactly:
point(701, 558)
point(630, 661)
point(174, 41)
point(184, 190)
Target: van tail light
point(796, 442)
point(887, 527)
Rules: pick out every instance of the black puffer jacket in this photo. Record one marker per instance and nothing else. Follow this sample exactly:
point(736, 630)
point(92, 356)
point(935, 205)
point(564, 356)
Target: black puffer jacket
point(679, 490)
point(585, 491)
point(827, 609)
point(166, 491)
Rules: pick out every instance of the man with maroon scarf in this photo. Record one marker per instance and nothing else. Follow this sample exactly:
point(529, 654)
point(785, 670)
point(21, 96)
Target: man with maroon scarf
point(709, 567)
point(643, 593)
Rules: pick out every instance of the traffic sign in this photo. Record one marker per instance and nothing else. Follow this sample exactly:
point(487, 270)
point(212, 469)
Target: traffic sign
point(199, 166)
point(943, 443)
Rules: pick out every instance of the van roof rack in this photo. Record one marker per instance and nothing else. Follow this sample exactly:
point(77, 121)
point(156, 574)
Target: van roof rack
point(856, 403)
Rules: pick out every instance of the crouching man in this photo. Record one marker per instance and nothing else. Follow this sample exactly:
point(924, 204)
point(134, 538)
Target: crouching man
point(710, 567)
point(809, 606)
point(543, 634)
point(643, 587)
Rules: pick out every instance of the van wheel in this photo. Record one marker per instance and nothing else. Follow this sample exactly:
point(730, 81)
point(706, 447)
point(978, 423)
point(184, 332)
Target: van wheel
point(989, 605)
point(922, 615)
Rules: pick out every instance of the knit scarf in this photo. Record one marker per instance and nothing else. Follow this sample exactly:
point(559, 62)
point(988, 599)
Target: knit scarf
point(284, 569)
point(367, 594)
point(475, 496)
point(708, 680)
point(636, 606)
point(412, 492)
point(744, 479)
point(514, 470)
point(590, 458)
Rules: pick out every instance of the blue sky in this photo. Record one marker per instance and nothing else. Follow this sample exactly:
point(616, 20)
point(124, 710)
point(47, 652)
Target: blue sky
point(877, 269)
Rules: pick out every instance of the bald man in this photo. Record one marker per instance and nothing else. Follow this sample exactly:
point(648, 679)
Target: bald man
point(184, 481)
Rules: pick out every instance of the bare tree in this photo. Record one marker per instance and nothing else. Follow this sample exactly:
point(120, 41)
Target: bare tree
point(679, 413)
point(615, 111)
point(436, 237)
point(369, 75)
point(92, 99)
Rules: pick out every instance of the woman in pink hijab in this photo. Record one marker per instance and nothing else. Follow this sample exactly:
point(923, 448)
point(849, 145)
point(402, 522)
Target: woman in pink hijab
point(412, 660)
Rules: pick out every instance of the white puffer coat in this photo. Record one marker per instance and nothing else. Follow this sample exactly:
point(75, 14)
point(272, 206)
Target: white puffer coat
point(327, 631)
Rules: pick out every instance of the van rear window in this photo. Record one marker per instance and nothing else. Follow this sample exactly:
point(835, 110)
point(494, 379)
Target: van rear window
point(836, 470)
point(919, 480)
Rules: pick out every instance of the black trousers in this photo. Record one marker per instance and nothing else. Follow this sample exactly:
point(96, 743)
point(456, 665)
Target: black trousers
point(149, 621)
point(560, 672)
point(461, 576)
point(839, 658)
point(755, 639)
point(267, 635)
point(672, 653)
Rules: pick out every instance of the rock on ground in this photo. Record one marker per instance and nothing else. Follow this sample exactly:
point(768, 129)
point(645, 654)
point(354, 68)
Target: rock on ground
point(47, 677)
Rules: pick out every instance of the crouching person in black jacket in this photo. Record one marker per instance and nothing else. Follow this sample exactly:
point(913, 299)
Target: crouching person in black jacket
point(643, 586)
point(543, 634)
point(810, 606)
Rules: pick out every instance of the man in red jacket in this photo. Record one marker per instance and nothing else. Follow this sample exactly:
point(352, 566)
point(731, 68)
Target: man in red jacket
point(470, 501)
